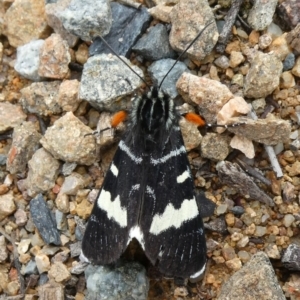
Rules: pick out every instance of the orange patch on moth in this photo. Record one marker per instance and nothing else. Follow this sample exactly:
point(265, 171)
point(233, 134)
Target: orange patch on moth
point(194, 118)
point(118, 118)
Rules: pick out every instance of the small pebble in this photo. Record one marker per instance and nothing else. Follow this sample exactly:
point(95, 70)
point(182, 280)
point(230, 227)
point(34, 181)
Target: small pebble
point(59, 272)
point(288, 220)
point(260, 231)
point(272, 251)
point(221, 209)
point(243, 242)
point(222, 62)
point(264, 41)
point(234, 264)
point(42, 262)
point(237, 210)
point(244, 256)
point(289, 62)
point(228, 252)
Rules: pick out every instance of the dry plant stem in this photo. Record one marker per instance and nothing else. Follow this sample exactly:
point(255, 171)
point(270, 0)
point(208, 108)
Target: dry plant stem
point(251, 171)
point(131, 3)
point(274, 162)
point(230, 19)
point(16, 259)
point(206, 273)
point(270, 151)
point(243, 22)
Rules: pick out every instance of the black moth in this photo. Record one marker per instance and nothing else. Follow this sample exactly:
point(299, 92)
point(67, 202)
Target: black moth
point(148, 194)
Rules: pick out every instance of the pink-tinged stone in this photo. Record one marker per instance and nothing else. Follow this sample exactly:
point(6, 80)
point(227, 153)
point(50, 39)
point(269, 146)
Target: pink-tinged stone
point(54, 58)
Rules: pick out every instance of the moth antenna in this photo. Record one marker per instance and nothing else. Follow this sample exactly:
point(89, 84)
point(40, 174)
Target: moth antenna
point(97, 132)
point(122, 60)
point(179, 57)
point(225, 126)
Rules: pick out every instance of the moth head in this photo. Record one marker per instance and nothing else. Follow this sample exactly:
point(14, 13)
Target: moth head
point(154, 111)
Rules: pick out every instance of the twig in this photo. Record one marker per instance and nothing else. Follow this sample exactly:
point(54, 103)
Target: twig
point(270, 151)
point(16, 260)
point(251, 171)
point(268, 109)
point(244, 23)
point(131, 3)
point(274, 162)
point(230, 19)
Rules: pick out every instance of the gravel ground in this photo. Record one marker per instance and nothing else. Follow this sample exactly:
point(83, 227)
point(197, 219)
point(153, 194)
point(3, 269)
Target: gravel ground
point(57, 88)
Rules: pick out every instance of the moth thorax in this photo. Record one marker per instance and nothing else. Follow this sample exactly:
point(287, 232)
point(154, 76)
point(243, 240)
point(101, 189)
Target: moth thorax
point(154, 112)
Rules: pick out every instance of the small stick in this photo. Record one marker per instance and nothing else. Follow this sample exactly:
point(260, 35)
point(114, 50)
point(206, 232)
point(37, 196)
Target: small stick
point(131, 3)
point(251, 171)
point(16, 259)
point(270, 151)
point(230, 19)
point(244, 23)
point(268, 109)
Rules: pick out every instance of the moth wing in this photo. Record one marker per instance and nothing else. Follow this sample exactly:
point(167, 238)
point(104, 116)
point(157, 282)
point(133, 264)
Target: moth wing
point(173, 229)
point(116, 208)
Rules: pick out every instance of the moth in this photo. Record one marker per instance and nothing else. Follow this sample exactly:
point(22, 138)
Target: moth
point(149, 194)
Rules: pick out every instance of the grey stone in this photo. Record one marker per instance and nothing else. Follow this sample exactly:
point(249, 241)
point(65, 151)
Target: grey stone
point(222, 62)
point(215, 146)
point(24, 144)
point(43, 171)
point(128, 25)
point(261, 14)
point(3, 159)
point(78, 268)
point(105, 79)
point(154, 45)
point(289, 62)
point(52, 10)
point(28, 60)
point(269, 131)
point(80, 229)
point(31, 268)
point(188, 18)
point(256, 280)
point(75, 249)
point(43, 279)
point(263, 76)
point(87, 18)
point(160, 68)
point(291, 257)
point(128, 281)
point(237, 210)
point(43, 220)
point(61, 220)
point(41, 98)
point(217, 225)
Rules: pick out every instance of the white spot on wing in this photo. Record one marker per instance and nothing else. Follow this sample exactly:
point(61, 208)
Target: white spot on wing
point(126, 149)
point(136, 232)
point(199, 273)
point(134, 188)
point(183, 177)
point(113, 209)
point(163, 159)
point(150, 191)
point(114, 169)
point(172, 217)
